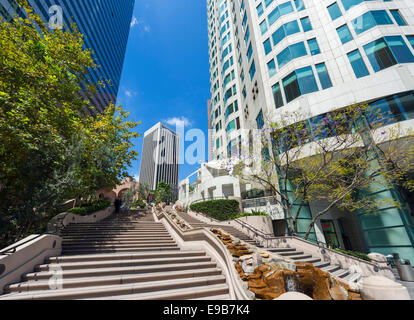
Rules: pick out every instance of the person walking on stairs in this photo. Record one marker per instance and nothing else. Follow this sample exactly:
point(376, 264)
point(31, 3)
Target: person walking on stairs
point(117, 204)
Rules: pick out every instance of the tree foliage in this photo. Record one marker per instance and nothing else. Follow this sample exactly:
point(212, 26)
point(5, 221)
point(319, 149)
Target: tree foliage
point(335, 163)
point(163, 192)
point(52, 145)
point(221, 209)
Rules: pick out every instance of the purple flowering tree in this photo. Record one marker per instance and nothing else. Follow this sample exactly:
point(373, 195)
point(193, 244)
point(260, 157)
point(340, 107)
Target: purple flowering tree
point(326, 160)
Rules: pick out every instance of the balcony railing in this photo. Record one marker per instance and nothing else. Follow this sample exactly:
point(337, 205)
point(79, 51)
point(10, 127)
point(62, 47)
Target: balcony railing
point(259, 202)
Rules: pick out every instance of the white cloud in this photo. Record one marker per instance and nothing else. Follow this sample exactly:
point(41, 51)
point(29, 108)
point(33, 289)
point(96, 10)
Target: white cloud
point(128, 93)
point(134, 21)
point(143, 27)
point(183, 121)
point(136, 177)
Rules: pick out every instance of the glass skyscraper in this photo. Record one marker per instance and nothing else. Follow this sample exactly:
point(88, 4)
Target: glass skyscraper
point(105, 25)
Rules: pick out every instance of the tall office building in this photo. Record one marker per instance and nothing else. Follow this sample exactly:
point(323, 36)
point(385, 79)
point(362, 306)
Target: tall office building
point(273, 56)
point(105, 25)
point(210, 138)
point(160, 157)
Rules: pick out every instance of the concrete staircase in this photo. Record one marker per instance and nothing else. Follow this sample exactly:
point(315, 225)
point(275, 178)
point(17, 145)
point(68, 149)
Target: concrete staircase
point(122, 258)
point(300, 256)
point(290, 253)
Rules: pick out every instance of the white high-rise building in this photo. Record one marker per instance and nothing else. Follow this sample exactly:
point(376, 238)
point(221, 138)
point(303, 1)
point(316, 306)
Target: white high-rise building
point(314, 56)
point(160, 157)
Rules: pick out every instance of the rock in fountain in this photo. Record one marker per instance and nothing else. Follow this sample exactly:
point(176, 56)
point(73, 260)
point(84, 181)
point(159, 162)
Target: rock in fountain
point(293, 296)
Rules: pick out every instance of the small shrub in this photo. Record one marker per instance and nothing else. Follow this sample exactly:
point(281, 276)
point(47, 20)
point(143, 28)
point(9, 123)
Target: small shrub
point(223, 209)
point(90, 207)
point(139, 204)
point(250, 214)
point(356, 254)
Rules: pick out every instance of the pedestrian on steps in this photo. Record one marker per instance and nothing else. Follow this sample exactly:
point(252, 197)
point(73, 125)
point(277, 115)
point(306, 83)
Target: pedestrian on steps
point(117, 204)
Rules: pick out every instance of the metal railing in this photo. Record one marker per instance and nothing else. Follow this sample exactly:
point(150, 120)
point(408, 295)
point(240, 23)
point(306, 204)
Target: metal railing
point(259, 202)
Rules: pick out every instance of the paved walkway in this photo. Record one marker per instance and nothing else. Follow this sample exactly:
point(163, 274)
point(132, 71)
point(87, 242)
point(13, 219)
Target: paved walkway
point(408, 284)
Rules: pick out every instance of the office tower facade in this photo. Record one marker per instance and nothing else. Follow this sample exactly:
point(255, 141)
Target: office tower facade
point(210, 138)
point(269, 57)
point(105, 25)
point(160, 157)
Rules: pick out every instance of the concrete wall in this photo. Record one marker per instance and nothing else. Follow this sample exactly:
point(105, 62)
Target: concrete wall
point(64, 219)
point(27, 256)
point(262, 223)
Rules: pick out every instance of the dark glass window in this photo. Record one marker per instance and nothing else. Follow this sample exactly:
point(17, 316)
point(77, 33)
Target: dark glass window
point(277, 95)
point(388, 51)
point(344, 34)
point(334, 11)
point(306, 24)
point(313, 46)
point(260, 120)
point(323, 75)
point(358, 64)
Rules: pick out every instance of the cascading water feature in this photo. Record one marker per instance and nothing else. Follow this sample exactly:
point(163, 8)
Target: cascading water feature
point(290, 283)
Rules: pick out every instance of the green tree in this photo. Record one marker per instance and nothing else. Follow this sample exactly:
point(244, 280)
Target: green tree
point(144, 191)
point(129, 195)
point(163, 192)
point(52, 146)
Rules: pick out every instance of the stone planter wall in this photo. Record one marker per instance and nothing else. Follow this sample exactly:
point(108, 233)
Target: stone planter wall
point(65, 218)
point(27, 256)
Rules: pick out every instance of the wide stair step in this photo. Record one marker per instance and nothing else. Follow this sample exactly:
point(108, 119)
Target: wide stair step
point(341, 273)
point(291, 253)
point(35, 276)
point(111, 280)
point(311, 260)
point(113, 250)
point(299, 258)
point(113, 234)
point(331, 268)
point(115, 238)
point(123, 256)
point(202, 292)
point(79, 242)
point(114, 290)
point(277, 250)
point(120, 263)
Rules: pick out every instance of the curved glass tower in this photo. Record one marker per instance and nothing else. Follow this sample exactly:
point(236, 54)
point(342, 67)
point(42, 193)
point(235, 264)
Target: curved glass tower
point(272, 56)
point(105, 25)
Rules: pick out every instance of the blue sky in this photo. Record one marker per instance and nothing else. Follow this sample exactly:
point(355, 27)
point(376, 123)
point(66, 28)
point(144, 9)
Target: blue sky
point(166, 70)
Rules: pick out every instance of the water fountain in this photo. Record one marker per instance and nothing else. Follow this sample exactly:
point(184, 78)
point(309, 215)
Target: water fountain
point(274, 277)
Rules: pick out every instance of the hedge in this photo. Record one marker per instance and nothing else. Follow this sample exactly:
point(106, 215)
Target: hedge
point(356, 254)
point(139, 204)
point(223, 209)
point(90, 207)
point(251, 214)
